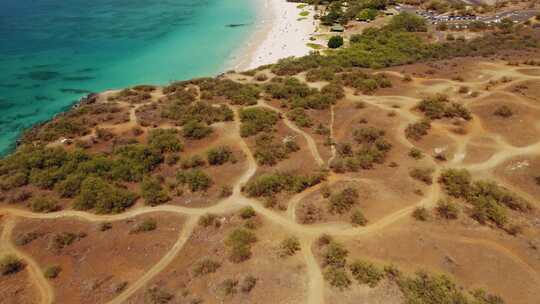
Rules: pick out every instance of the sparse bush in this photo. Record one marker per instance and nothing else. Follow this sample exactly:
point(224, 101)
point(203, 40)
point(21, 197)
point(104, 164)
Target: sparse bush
point(156, 295)
point(421, 214)
point(26, 238)
point(366, 273)
point(206, 266)
point(337, 277)
point(504, 111)
point(289, 246)
point(248, 284)
point(105, 226)
point(63, 239)
point(422, 174)
point(418, 130)
point(416, 153)
point(240, 241)
point(146, 225)
point(228, 287)
point(51, 272)
point(447, 209)
point(358, 218)
point(226, 191)
point(10, 264)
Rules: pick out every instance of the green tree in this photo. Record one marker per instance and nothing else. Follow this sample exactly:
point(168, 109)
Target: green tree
point(335, 42)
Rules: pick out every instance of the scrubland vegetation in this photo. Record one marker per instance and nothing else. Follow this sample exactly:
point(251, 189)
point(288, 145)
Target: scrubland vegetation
point(489, 201)
point(372, 149)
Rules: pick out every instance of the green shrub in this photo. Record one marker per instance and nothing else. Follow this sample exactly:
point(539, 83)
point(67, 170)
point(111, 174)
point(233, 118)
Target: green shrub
point(416, 153)
point(456, 182)
point(255, 120)
point(270, 184)
point(10, 264)
point(104, 198)
point(239, 241)
point(165, 140)
point(335, 42)
point(408, 22)
point(431, 289)
point(43, 204)
point(421, 214)
point(366, 273)
point(196, 130)
point(337, 277)
point(447, 209)
point(247, 212)
point(438, 107)
point(196, 180)
point(70, 186)
point(300, 118)
point(148, 224)
point(343, 201)
point(289, 246)
point(367, 135)
point(206, 266)
point(194, 161)
point(207, 220)
point(482, 297)
point(152, 192)
point(51, 272)
point(219, 155)
point(335, 255)
point(269, 151)
point(418, 130)
point(358, 218)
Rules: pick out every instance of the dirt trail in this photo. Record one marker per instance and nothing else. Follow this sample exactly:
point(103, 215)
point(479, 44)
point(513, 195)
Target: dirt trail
point(35, 272)
point(159, 266)
point(316, 280)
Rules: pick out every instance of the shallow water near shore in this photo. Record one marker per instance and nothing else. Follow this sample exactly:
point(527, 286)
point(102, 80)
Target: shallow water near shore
point(53, 52)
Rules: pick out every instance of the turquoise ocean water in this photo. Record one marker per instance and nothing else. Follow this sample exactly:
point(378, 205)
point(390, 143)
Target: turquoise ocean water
point(52, 52)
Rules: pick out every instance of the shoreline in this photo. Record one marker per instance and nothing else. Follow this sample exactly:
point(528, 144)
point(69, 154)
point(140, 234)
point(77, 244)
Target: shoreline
point(280, 32)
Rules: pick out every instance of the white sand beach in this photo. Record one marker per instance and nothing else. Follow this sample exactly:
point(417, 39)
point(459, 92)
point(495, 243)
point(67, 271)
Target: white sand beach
point(281, 32)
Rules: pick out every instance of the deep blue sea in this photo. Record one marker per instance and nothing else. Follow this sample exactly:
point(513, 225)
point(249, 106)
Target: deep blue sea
point(52, 52)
